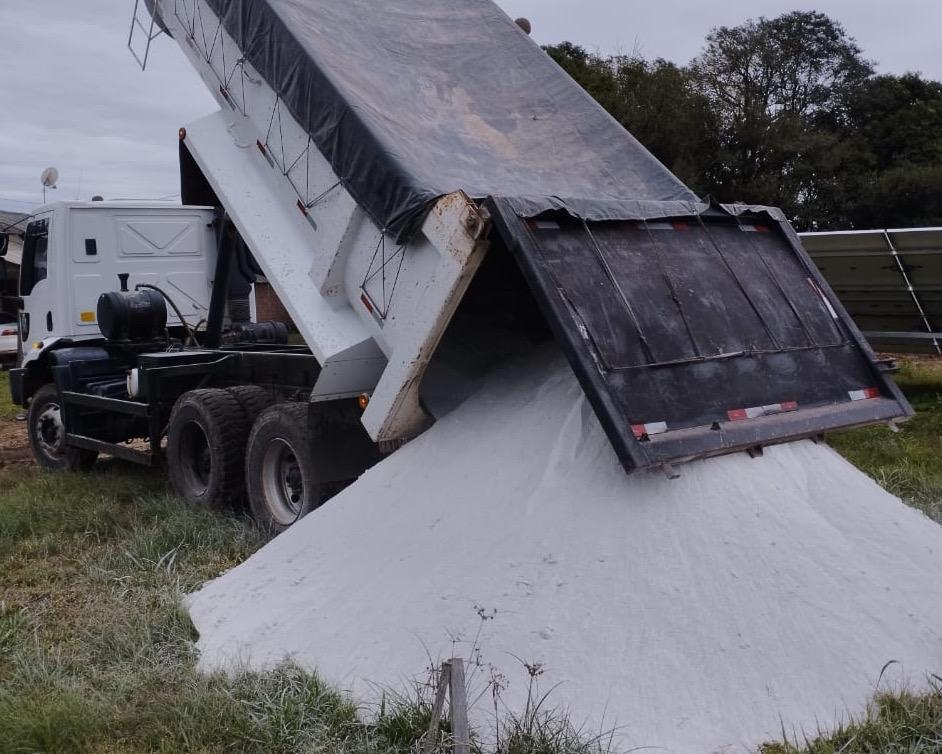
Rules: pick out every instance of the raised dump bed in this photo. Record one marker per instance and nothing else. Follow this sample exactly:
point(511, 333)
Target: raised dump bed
point(694, 329)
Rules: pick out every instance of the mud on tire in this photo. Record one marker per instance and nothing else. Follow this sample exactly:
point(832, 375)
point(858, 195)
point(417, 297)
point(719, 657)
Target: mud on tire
point(205, 449)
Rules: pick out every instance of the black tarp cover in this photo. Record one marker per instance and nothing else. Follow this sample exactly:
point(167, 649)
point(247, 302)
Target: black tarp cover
point(410, 100)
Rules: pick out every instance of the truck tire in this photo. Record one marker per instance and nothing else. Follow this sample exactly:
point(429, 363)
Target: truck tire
point(281, 482)
point(206, 447)
point(252, 398)
point(47, 434)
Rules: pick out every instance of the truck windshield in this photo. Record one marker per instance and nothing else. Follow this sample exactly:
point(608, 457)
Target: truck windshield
point(35, 248)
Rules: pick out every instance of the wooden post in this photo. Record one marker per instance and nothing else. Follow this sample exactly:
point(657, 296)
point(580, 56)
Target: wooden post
point(431, 737)
point(450, 680)
point(460, 728)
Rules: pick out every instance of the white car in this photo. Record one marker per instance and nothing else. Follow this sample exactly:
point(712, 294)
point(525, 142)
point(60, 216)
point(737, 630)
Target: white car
point(9, 342)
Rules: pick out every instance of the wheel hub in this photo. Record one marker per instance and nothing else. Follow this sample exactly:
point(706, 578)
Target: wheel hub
point(197, 457)
point(50, 431)
point(283, 482)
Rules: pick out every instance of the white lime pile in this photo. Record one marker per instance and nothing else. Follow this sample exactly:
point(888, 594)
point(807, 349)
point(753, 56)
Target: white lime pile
point(699, 614)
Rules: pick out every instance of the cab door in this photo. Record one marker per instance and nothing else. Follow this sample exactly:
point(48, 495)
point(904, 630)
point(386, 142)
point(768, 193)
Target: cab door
point(37, 286)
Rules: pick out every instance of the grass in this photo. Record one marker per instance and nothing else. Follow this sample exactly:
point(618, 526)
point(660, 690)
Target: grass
point(97, 655)
point(7, 409)
point(907, 463)
point(900, 723)
point(96, 652)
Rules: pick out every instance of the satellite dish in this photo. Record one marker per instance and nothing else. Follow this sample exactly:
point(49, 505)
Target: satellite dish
point(49, 177)
point(524, 23)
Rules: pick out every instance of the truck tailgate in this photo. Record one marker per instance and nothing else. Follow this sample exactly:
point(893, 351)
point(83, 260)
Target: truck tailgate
point(701, 335)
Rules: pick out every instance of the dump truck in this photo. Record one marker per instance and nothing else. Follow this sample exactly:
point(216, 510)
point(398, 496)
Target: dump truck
point(429, 194)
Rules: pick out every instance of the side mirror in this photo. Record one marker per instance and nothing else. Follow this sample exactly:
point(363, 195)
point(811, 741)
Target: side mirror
point(4, 244)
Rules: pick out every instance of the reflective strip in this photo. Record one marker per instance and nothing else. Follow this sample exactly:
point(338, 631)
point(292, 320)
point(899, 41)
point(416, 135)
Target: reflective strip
point(824, 298)
point(543, 225)
point(646, 430)
point(865, 394)
point(741, 414)
point(755, 228)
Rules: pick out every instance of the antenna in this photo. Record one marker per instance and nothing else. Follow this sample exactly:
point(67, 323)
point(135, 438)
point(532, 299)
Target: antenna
point(49, 178)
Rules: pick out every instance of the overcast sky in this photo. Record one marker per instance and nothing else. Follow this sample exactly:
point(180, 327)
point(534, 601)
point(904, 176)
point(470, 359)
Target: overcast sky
point(72, 96)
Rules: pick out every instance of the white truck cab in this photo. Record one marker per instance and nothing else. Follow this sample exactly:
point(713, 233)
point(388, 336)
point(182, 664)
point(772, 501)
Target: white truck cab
point(75, 251)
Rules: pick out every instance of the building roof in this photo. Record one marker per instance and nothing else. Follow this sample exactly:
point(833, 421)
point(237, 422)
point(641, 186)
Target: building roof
point(8, 219)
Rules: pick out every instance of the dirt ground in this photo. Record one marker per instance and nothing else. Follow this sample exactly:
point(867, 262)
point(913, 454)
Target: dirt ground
point(14, 445)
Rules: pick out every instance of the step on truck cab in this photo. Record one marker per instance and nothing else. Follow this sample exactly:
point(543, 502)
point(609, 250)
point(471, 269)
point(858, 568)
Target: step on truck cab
point(428, 194)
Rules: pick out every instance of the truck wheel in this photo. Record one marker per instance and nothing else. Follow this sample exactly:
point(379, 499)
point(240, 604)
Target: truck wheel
point(279, 468)
point(252, 398)
point(47, 435)
point(206, 447)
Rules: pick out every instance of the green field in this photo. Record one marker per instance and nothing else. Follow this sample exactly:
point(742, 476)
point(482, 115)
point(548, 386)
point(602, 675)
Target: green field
point(907, 463)
point(96, 653)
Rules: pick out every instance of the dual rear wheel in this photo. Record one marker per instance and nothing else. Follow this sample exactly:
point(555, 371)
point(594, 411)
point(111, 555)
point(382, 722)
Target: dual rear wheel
point(281, 480)
point(234, 447)
point(229, 448)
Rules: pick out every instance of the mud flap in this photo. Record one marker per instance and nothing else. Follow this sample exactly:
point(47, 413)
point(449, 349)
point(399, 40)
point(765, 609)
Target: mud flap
point(701, 335)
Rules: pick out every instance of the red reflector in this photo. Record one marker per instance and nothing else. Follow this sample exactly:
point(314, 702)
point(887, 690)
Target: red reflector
point(646, 430)
point(763, 229)
point(7, 332)
point(366, 303)
point(302, 207)
point(680, 226)
point(865, 394)
point(741, 414)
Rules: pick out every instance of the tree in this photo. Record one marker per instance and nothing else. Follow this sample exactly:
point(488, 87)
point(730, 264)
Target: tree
point(787, 112)
point(656, 101)
point(886, 164)
point(899, 118)
point(769, 82)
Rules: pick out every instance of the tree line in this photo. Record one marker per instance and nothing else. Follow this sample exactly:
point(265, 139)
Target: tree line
point(787, 112)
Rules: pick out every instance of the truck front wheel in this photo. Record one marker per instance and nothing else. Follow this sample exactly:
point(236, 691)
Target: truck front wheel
point(47, 434)
point(281, 482)
point(205, 449)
